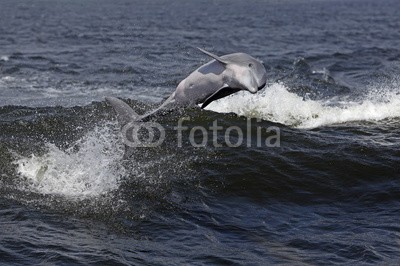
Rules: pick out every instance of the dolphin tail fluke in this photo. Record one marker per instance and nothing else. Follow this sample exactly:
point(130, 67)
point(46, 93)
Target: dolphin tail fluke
point(125, 114)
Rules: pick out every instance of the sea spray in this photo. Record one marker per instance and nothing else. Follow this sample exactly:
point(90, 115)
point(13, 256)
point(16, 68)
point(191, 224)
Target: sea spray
point(90, 167)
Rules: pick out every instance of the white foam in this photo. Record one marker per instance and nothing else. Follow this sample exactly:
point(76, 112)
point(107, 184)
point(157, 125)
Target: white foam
point(275, 103)
point(4, 58)
point(89, 168)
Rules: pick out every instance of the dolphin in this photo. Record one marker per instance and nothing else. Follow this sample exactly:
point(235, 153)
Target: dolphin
point(220, 77)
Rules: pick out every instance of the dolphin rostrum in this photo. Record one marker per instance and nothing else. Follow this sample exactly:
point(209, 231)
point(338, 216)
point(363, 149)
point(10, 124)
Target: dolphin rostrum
point(222, 76)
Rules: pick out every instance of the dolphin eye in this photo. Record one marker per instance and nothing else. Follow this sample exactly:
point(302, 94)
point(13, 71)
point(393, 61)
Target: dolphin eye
point(250, 65)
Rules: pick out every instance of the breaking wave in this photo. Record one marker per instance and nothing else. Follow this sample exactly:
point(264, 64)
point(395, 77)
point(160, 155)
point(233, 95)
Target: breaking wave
point(276, 103)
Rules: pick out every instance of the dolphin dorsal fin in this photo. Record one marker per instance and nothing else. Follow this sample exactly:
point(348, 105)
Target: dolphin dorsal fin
point(216, 57)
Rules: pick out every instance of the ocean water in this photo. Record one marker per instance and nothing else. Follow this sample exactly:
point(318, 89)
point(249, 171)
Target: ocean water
point(72, 194)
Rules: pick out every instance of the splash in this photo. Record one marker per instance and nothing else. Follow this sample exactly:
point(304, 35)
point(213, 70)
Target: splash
point(90, 168)
point(277, 104)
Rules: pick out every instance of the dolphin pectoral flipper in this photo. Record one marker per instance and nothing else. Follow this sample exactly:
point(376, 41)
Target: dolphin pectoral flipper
point(221, 93)
point(125, 113)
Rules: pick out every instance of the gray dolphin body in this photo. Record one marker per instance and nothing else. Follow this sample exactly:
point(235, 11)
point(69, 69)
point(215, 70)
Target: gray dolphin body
point(214, 80)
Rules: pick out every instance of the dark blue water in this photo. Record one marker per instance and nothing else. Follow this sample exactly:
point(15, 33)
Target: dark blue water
point(329, 194)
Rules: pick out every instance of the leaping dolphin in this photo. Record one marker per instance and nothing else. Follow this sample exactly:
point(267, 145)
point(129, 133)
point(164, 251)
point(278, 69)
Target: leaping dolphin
point(222, 76)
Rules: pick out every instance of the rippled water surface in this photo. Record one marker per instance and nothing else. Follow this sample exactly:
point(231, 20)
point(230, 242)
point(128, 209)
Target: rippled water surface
point(71, 193)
